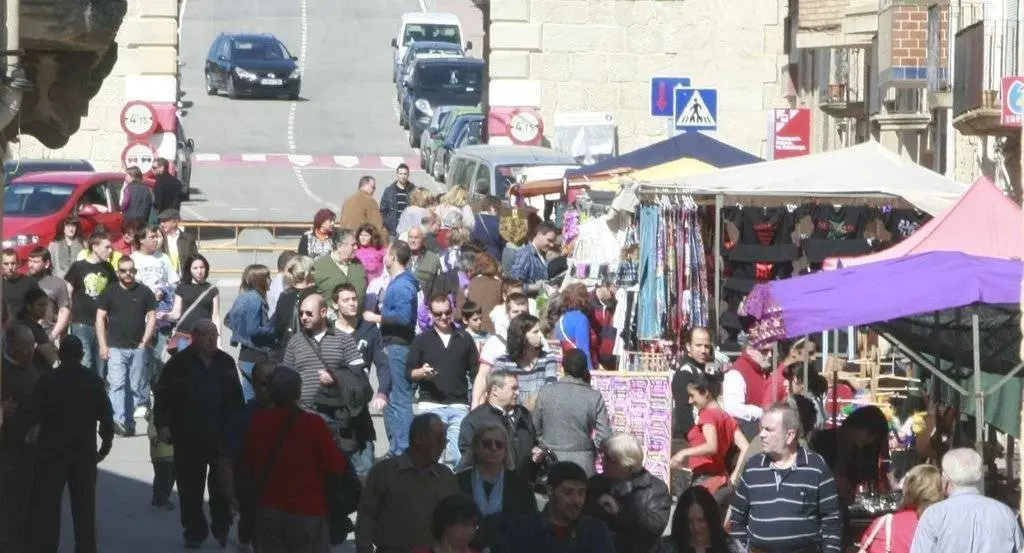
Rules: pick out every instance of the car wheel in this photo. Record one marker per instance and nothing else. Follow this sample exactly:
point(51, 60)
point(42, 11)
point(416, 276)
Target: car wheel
point(232, 93)
point(423, 162)
point(210, 89)
point(414, 137)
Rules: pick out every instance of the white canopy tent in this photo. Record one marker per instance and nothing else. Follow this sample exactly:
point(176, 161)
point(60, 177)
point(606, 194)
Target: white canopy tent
point(867, 170)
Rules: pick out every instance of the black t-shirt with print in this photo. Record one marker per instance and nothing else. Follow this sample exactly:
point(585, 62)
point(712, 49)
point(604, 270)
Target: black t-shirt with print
point(126, 313)
point(189, 294)
point(901, 223)
point(88, 280)
point(15, 290)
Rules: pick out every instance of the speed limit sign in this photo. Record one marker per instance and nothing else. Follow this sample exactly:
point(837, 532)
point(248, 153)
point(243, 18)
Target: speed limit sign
point(138, 119)
point(138, 154)
point(524, 127)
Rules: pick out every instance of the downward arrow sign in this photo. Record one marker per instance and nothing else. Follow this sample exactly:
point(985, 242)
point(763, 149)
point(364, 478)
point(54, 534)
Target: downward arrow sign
point(662, 102)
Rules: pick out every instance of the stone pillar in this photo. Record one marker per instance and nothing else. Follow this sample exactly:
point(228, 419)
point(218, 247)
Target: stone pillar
point(146, 69)
point(903, 133)
point(512, 38)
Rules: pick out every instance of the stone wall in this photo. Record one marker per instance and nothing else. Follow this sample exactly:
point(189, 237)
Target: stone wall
point(819, 15)
point(599, 55)
point(147, 68)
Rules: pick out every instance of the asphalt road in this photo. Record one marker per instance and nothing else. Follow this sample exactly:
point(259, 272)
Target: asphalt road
point(270, 160)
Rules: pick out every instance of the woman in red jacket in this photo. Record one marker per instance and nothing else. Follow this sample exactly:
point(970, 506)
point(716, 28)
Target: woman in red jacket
point(290, 454)
point(711, 439)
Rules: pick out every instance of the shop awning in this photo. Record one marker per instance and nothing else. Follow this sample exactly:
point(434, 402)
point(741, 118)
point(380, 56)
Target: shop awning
point(983, 222)
point(691, 145)
point(867, 170)
point(878, 292)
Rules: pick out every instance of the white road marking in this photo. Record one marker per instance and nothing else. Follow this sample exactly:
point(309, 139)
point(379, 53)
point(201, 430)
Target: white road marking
point(346, 161)
point(392, 162)
point(309, 191)
point(423, 6)
point(181, 19)
point(300, 159)
point(254, 157)
point(206, 157)
point(244, 209)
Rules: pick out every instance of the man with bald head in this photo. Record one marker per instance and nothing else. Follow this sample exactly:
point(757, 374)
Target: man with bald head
point(334, 376)
point(196, 397)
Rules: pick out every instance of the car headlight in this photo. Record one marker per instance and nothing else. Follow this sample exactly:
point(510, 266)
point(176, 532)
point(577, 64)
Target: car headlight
point(296, 74)
point(247, 75)
point(21, 240)
point(424, 107)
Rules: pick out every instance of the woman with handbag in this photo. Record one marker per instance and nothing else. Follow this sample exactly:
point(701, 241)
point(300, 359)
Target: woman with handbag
point(195, 299)
point(894, 532)
point(501, 494)
point(291, 455)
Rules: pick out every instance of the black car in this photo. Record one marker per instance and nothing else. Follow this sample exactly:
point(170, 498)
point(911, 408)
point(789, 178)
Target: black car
point(434, 82)
point(14, 168)
point(251, 65)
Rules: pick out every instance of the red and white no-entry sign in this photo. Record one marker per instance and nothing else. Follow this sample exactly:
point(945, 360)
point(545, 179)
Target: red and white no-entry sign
point(138, 154)
point(138, 119)
point(524, 127)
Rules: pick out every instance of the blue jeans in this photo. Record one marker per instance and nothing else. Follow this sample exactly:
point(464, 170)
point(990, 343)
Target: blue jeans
point(127, 368)
point(398, 412)
point(363, 459)
point(451, 416)
point(246, 368)
point(87, 334)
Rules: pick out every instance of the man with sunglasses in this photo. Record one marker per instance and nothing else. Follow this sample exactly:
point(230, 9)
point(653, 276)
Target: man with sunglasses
point(125, 324)
point(442, 361)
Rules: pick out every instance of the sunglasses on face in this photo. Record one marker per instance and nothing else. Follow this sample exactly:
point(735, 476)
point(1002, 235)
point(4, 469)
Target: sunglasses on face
point(306, 313)
point(493, 444)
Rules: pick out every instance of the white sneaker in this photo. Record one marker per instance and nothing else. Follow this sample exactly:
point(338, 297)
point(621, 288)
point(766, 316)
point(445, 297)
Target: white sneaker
point(141, 412)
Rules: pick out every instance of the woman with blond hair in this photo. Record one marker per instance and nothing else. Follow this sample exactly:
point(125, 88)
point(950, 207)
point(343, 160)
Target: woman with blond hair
point(419, 207)
point(299, 284)
point(894, 533)
point(454, 210)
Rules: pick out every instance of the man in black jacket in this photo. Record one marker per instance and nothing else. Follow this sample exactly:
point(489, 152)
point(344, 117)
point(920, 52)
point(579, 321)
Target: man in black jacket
point(68, 402)
point(395, 199)
point(178, 244)
point(502, 408)
point(168, 191)
point(196, 397)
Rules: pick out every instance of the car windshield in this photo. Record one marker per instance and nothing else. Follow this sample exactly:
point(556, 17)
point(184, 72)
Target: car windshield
point(435, 51)
point(258, 50)
point(442, 76)
point(34, 199)
point(419, 32)
point(470, 134)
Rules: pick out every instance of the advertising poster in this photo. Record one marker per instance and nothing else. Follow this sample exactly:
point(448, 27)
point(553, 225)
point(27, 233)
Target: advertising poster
point(641, 404)
point(789, 133)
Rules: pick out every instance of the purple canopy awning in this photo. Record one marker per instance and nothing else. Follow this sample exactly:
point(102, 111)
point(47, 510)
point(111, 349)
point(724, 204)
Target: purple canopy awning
point(878, 292)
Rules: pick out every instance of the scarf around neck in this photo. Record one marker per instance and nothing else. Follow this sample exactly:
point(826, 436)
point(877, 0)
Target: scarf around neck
point(492, 504)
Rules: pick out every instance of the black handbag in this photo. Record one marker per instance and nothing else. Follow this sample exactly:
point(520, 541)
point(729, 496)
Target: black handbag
point(540, 480)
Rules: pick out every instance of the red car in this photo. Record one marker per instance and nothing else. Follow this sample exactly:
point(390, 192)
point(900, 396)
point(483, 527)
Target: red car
point(35, 204)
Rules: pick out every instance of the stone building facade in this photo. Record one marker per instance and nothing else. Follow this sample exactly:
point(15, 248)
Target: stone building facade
point(600, 55)
point(146, 69)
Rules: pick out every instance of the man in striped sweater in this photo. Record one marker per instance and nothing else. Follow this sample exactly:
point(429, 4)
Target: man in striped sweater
point(334, 380)
point(786, 499)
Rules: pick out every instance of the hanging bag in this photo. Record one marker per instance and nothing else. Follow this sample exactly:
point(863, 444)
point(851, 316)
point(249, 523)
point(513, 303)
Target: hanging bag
point(886, 522)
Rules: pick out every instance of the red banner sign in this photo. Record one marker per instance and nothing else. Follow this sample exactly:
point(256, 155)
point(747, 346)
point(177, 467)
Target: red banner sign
point(789, 132)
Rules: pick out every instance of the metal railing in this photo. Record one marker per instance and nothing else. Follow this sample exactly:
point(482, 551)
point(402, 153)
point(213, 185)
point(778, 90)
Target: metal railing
point(986, 49)
point(250, 242)
point(841, 77)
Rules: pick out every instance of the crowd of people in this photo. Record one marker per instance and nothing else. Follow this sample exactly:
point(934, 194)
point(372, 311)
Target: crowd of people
point(483, 362)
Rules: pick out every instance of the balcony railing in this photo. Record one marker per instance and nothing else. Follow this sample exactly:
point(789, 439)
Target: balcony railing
point(984, 52)
point(841, 82)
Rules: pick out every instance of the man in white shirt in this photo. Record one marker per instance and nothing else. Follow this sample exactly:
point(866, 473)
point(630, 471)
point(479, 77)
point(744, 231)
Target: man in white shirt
point(156, 272)
point(744, 390)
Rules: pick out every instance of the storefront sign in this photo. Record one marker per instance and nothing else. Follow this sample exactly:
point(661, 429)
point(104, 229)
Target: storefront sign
point(641, 404)
point(789, 132)
point(1012, 112)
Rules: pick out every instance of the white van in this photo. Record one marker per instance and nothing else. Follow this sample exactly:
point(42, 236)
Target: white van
point(419, 26)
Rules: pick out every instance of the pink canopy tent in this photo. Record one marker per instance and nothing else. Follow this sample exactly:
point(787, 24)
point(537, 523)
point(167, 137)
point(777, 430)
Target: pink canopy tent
point(983, 223)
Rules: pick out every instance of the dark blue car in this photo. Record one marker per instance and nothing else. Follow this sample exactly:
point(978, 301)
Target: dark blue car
point(435, 82)
point(416, 50)
point(251, 65)
point(466, 131)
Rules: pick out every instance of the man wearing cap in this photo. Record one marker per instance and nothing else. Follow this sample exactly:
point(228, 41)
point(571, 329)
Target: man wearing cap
point(179, 245)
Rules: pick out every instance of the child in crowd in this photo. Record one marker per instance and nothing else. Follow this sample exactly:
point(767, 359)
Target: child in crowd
point(162, 456)
point(473, 322)
point(370, 250)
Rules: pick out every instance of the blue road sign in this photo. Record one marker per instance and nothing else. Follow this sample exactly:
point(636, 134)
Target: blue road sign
point(661, 94)
point(695, 109)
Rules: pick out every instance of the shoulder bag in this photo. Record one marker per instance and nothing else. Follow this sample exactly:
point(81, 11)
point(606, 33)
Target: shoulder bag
point(176, 336)
point(255, 492)
point(885, 521)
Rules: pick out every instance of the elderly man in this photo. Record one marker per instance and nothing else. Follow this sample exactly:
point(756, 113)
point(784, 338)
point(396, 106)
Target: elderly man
point(745, 387)
point(772, 509)
point(502, 408)
point(341, 267)
point(966, 521)
point(401, 492)
point(424, 264)
point(197, 395)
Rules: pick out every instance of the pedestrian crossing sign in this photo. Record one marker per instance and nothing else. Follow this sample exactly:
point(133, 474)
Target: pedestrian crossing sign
point(696, 109)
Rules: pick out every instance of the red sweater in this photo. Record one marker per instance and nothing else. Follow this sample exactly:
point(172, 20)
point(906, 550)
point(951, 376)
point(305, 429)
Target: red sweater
point(308, 454)
point(755, 379)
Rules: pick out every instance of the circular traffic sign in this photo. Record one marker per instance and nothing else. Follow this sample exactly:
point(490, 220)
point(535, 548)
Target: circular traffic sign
point(524, 127)
point(138, 154)
point(138, 119)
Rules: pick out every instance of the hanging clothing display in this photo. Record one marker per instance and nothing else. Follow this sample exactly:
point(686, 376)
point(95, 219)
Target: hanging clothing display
point(838, 232)
point(673, 272)
point(901, 223)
